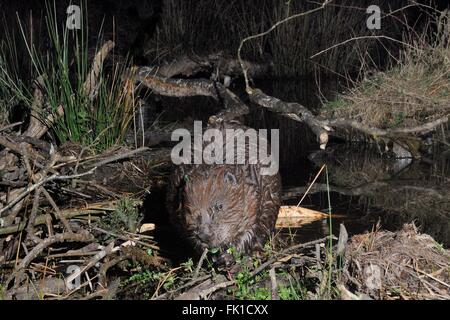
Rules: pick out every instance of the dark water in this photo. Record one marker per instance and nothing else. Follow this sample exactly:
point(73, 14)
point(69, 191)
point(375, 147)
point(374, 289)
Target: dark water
point(412, 191)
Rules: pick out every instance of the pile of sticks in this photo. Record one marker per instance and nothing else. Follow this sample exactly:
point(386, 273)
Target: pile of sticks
point(36, 177)
point(41, 235)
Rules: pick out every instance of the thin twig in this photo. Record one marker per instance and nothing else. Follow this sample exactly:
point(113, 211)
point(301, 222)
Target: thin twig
point(57, 211)
point(32, 218)
point(9, 126)
point(200, 263)
point(273, 27)
point(61, 237)
point(42, 182)
point(359, 38)
point(311, 185)
point(118, 157)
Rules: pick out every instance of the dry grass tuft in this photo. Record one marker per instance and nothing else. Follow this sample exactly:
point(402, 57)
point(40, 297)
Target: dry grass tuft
point(415, 91)
point(398, 265)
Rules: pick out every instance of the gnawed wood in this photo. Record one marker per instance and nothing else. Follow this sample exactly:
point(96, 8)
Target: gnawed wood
point(295, 217)
point(146, 227)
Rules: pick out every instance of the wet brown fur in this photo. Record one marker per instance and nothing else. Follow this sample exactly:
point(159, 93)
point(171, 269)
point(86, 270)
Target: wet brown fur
point(221, 206)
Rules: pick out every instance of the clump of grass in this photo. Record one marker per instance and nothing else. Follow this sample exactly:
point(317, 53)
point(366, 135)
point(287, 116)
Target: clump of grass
point(97, 118)
point(293, 43)
point(335, 104)
point(149, 276)
point(291, 292)
point(202, 27)
point(13, 89)
point(415, 91)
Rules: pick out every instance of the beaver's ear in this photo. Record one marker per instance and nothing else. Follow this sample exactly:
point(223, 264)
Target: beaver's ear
point(230, 178)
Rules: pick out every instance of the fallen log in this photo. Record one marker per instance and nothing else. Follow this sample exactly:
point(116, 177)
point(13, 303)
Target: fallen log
point(294, 111)
point(322, 128)
point(234, 107)
point(392, 133)
point(325, 127)
point(175, 87)
point(190, 65)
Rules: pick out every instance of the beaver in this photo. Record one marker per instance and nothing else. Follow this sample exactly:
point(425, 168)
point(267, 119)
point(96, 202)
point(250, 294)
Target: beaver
point(220, 206)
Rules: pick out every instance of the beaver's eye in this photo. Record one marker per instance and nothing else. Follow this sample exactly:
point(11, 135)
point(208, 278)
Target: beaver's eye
point(217, 207)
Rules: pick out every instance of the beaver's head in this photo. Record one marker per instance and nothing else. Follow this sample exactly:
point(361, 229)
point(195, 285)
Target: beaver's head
point(220, 208)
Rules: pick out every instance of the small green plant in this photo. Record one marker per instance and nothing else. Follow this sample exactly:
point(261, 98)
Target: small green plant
point(268, 249)
point(288, 293)
point(126, 216)
point(248, 288)
point(150, 277)
point(188, 266)
point(296, 290)
point(336, 104)
point(439, 247)
point(260, 293)
point(247, 285)
point(238, 256)
point(169, 282)
point(244, 282)
point(144, 277)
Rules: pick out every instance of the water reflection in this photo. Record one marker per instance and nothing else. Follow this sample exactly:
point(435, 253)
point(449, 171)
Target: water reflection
point(369, 188)
point(366, 187)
